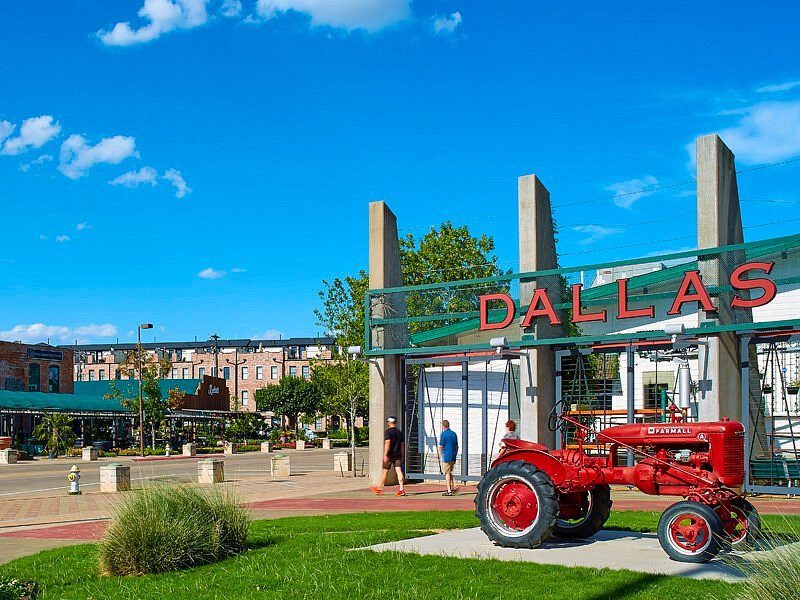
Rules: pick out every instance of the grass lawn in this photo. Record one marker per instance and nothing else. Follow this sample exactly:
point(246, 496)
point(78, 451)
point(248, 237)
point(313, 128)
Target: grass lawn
point(309, 557)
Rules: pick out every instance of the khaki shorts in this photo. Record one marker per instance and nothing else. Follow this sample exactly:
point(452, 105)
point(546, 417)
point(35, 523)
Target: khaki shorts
point(447, 467)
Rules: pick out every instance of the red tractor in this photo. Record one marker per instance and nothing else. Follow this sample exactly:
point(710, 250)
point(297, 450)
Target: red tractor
point(532, 492)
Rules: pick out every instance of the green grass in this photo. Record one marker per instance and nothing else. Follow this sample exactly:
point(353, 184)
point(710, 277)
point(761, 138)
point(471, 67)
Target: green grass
point(310, 557)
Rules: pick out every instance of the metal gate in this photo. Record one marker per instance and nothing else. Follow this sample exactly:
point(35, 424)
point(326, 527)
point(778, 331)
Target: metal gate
point(477, 394)
point(771, 403)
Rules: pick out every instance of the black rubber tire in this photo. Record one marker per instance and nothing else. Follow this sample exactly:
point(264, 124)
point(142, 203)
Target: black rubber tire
point(547, 498)
point(713, 542)
point(753, 524)
point(599, 511)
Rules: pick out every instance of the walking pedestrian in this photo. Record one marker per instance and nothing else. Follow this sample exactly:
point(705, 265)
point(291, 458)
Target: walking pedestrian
point(448, 450)
point(392, 456)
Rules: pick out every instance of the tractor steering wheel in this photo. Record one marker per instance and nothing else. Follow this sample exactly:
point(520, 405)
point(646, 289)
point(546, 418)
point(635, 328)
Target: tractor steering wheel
point(556, 419)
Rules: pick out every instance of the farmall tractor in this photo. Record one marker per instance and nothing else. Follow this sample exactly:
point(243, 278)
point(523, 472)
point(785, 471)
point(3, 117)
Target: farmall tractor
point(532, 493)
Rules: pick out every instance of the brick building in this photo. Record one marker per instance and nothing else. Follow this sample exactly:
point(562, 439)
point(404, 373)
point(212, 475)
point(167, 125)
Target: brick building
point(35, 368)
point(246, 365)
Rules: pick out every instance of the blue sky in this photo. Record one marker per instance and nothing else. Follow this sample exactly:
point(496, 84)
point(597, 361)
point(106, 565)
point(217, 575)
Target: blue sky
point(205, 164)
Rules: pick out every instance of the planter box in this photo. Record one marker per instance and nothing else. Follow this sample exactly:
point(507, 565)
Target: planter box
point(89, 453)
point(327, 443)
point(300, 445)
point(280, 466)
point(342, 462)
point(189, 449)
point(266, 447)
point(8, 456)
point(114, 478)
point(230, 448)
point(211, 470)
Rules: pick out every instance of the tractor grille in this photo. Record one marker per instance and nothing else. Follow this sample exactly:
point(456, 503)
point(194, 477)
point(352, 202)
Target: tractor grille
point(733, 458)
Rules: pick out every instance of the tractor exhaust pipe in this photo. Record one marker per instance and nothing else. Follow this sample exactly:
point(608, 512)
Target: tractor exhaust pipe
point(684, 386)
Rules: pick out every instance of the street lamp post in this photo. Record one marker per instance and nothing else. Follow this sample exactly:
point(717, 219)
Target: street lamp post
point(236, 362)
point(141, 408)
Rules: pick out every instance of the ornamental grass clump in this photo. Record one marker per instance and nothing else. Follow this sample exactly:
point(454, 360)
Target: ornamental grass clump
point(163, 529)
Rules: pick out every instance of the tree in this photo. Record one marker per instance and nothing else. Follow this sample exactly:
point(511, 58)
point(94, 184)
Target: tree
point(342, 312)
point(291, 397)
point(55, 431)
point(154, 404)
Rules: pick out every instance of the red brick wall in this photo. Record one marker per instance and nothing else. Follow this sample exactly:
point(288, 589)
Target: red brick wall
point(15, 361)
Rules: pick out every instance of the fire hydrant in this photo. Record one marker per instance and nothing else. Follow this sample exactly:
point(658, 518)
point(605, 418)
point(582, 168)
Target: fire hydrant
point(167, 449)
point(74, 477)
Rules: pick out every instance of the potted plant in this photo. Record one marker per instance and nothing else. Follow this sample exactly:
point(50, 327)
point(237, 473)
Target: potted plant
point(56, 433)
point(766, 388)
point(793, 387)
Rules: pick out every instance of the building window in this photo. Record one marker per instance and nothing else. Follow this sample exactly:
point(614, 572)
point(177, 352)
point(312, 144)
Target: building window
point(102, 375)
point(226, 372)
point(292, 371)
point(54, 374)
point(117, 374)
point(274, 372)
point(34, 375)
point(293, 352)
point(306, 372)
point(259, 372)
point(244, 372)
point(185, 373)
point(214, 372)
point(91, 375)
point(201, 372)
point(175, 373)
point(245, 397)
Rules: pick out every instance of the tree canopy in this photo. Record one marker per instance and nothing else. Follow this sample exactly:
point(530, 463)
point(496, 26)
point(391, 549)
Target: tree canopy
point(291, 397)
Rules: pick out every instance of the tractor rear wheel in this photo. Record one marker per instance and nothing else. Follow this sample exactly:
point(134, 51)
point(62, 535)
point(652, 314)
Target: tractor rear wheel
point(590, 516)
point(741, 523)
point(517, 505)
point(690, 532)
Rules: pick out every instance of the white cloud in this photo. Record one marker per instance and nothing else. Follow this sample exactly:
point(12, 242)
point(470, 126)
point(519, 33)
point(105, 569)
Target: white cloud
point(25, 167)
point(231, 8)
point(62, 238)
point(596, 232)
point(767, 132)
point(39, 332)
point(77, 157)
point(33, 133)
point(176, 179)
point(162, 16)
point(269, 334)
point(132, 179)
point(447, 25)
point(211, 273)
point(42, 236)
point(630, 191)
point(778, 87)
point(369, 15)
point(238, 270)
point(6, 129)
point(83, 226)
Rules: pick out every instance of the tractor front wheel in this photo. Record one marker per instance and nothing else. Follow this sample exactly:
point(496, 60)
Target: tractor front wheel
point(690, 532)
point(517, 505)
point(741, 523)
point(583, 514)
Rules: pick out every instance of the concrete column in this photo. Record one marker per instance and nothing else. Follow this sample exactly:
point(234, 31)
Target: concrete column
point(385, 373)
point(211, 470)
point(719, 223)
point(537, 251)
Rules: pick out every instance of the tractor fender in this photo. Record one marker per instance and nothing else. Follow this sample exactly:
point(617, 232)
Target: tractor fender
point(541, 460)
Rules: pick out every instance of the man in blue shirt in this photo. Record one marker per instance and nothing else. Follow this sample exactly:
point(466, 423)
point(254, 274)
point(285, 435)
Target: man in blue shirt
point(448, 449)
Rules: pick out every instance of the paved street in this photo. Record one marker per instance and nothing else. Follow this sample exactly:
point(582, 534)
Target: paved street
point(48, 477)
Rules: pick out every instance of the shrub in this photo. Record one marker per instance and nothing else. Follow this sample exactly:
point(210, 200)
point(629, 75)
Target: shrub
point(14, 589)
point(163, 529)
point(338, 434)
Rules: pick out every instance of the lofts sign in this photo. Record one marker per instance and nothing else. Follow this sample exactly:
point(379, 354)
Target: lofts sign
point(745, 279)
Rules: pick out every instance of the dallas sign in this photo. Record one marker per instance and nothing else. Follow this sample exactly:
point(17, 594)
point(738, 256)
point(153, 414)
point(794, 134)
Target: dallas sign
point(744, 278)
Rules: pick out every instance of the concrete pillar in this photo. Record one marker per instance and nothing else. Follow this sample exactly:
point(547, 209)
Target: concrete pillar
point(266, 447)
point(189, 449)
point(115, 477)
point(385, 373)
point(8, 456)
point(280, 466)
point(342, 462)
point(300, 445)
point(327, 443)
point(537, 251)
point(211, 470)
point(89, 453)
point(230, 448)
point(719, 223)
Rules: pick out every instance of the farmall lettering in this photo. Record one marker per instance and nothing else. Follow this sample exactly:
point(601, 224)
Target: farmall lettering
point(669, 431)
point(691, 290)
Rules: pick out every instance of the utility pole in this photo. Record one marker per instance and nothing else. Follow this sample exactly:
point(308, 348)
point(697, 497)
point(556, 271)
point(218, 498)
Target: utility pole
point(141, 408)
point(215, 349)
point(236, 362)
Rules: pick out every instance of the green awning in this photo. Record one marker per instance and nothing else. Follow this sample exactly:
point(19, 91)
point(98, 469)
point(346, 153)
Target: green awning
point(41, 401)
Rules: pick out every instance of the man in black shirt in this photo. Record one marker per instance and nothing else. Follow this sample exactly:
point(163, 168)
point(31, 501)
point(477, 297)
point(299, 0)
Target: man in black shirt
point(392, 456)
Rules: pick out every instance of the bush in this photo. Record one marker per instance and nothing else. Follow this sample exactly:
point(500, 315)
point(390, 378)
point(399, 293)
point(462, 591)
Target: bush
point(770, 574)
point(165, 529)
point(338, 434)
point(14, 589)
point(362, 434)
